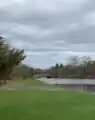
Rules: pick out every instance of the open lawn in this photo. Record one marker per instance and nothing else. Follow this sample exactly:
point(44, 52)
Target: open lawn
point(24, 83)
point(46, 105)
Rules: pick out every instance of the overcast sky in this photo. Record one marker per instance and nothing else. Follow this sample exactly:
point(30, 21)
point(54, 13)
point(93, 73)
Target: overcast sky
point(50, 31)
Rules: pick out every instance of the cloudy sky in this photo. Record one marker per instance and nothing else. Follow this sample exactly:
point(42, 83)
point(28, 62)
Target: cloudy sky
point(50, 31)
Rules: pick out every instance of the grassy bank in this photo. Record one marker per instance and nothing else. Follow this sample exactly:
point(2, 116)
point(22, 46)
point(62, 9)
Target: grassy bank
point(45, 105)
point(23, 83)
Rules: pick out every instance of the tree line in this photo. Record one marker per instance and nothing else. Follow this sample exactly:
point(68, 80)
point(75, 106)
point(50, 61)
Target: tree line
point(78, 67)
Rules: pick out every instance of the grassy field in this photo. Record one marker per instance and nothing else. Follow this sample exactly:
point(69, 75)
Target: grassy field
point(45, 105)
point(23, 83)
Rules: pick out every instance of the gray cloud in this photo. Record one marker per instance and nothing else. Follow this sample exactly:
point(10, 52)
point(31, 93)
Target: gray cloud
point(49, 31)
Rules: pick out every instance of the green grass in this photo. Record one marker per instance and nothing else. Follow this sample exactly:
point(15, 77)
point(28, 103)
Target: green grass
point(23, 83)
point(45, 105)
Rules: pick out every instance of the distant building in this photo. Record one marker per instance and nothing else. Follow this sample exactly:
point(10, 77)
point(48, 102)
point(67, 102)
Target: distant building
point(40, 75)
